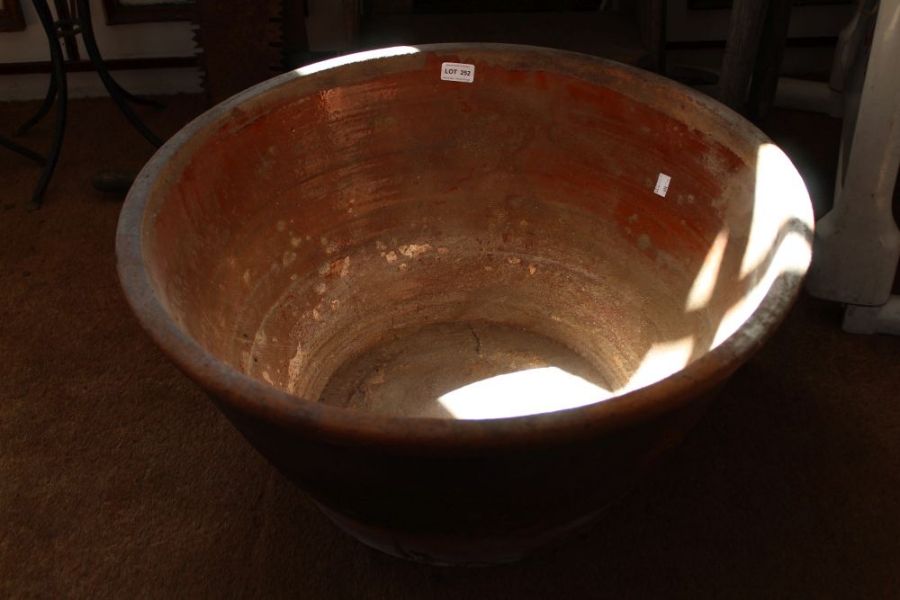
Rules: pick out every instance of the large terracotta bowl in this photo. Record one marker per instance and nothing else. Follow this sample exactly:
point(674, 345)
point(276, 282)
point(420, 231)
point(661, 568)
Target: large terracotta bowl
point(464, 310)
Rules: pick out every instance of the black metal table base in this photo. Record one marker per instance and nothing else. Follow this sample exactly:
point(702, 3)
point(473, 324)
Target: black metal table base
point(57, 91)
point(11, 145)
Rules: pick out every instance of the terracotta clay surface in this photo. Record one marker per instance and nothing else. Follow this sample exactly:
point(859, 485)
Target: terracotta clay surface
point(409, 374)
point(338, 254)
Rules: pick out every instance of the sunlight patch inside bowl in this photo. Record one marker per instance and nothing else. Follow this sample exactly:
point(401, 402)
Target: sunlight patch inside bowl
point(526, 392)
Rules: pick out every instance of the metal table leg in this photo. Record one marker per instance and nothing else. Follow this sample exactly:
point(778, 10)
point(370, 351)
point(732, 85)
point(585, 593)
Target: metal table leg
point(11, 145)
point(57, 91)
point(59, 82)
point(115, 90)
point(42, 111)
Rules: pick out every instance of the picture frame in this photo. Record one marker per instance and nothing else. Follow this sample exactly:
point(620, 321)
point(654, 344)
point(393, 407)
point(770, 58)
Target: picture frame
point(120, 12)
point(11, 18)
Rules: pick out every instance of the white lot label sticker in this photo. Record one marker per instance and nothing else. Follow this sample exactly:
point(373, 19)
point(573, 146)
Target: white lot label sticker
point(662, 185)
point(458, 72)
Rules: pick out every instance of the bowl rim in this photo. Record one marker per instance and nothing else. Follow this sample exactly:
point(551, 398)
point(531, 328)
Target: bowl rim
point(240, 395)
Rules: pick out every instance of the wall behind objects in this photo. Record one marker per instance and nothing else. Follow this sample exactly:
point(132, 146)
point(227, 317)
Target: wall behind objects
point(808, 20)
point(693, 33)
point(21, 51)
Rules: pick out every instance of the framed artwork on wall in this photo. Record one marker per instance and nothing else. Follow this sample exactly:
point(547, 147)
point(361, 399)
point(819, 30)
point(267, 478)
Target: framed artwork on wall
point(148, 11)
point(11, 18)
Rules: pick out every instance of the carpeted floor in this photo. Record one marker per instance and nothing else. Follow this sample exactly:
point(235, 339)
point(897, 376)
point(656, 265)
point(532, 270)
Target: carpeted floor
point(119, 479)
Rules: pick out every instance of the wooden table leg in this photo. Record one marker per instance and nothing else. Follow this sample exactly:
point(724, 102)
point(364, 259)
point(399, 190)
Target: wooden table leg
point(747, 18)
point(769, 59)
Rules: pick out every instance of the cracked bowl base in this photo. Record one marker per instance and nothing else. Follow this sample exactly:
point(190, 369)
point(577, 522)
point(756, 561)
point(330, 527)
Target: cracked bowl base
point(453, 370)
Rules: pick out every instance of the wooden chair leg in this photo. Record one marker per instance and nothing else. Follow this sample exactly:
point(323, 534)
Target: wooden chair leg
point(745, 31)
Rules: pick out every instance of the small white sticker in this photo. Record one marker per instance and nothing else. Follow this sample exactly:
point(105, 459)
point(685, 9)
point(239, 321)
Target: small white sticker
point(458, 72)
point(662, 185)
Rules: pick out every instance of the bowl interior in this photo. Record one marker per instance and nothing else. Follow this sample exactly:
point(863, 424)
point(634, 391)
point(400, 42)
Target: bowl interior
point(557, 232)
